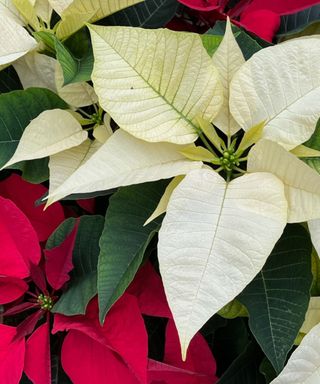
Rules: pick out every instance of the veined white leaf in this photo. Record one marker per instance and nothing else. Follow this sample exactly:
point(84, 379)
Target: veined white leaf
point(60, 5)
point(36, 70)
point(124, 160)
point(154, 83)
point(314, 229)
point(8, 9)
point(228, 58)
point(15, 41)
point(78, 95)
point(280, 85)
point(63, 164)
point(81, 11)
point(214, 239)
point(303, 366)
point(312, 316)
point(51, 132)
point(302, 183)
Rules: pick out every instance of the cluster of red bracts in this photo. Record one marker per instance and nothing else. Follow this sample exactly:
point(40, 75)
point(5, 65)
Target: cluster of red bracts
point(31, 279)
point(261, 17)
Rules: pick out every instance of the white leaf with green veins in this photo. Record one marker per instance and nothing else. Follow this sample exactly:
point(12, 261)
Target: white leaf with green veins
point(154, 83)
point(15, 41)
point(124, 160)
point(7, 8)
point(214, 239)
point(280, 85)
point(63, 164)
point(228, 58)
point(36, 70)
point(302, 183)
point(51, 132)
point(81, 11)
point(303, 367)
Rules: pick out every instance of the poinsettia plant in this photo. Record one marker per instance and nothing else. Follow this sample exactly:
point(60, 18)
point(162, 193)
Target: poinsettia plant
point(159, 194)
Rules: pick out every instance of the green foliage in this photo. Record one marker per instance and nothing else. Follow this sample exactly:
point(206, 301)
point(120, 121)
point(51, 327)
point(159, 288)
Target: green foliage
point(314, 143)
point(74, 69)
point(298, 22)
point(125, 239)
point(17, 109)
point(278, 297)
point(83, 283)
point(148, 14)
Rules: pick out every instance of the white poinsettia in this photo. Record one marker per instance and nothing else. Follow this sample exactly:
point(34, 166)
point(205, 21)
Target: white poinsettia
point(164, 91)
point(15, 15)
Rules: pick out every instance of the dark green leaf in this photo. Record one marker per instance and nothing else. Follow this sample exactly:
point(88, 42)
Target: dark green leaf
point(277, 299)
point(74, 69)
point(314, 143)
point(229, 342)
point(267, 370)
point(83, 282)
point(125, 239)
point(17, 109)
point(9, 80)
point(297, 22)
point(245, 369)
point(148, 14)
point(34, 171)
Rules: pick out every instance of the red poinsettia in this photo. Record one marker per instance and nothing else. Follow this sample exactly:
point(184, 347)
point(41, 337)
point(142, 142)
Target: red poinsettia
point(262, 17)
point(200, 366)
point(34, 352)
point(24, 195)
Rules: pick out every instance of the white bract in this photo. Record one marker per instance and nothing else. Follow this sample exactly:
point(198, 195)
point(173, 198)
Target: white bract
point(164, 91)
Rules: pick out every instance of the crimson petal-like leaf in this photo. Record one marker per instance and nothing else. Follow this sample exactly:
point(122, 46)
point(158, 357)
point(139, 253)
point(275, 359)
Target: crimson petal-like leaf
point(11, 288)
point(37, 364)
point(59, 260)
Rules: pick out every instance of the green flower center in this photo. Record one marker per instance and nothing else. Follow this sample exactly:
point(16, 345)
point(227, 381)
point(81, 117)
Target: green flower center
point(229, 160)
point(45, 302)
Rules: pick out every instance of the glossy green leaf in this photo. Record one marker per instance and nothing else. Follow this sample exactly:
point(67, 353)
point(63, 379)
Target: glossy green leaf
point(83, 283)
point(124, 239)
point(17, 109)
point(148, 14)
point(314, 143)
point(278, 297)
point(74, 70)
point(297, 22)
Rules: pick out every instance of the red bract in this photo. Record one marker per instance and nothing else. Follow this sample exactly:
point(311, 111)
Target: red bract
point(200, 366)
point(261, 17)
point(19, 249)
point(120, 346)
point(25, 195)
point(36, 350)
